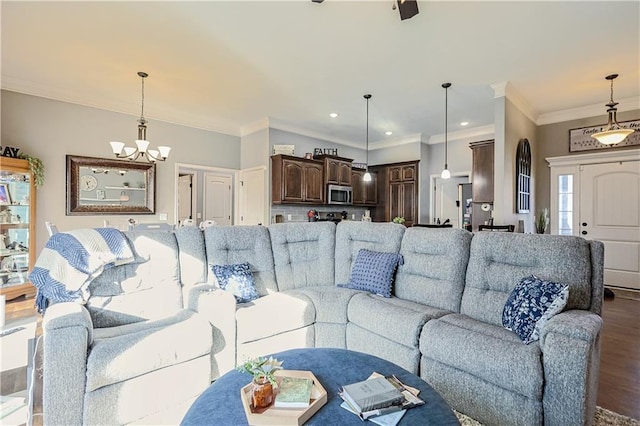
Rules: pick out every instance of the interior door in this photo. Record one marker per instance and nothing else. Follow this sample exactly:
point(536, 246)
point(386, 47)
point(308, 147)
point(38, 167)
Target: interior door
point(217, 198)
point(252, 193)
point(446, 199)
point(610, 212)
point(185, 198)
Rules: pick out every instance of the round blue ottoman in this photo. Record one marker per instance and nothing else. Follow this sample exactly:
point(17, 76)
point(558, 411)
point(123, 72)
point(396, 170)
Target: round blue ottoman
point(220, 404)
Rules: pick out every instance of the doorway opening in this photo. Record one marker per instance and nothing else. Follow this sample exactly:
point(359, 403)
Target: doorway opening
point(448, 202)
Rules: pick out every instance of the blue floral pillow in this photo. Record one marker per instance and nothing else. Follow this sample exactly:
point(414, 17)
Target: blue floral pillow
point(373, 272)
point(531, 304)
point(238, 280)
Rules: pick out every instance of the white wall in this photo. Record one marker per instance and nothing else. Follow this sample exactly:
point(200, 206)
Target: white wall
point(50, 130)
point(396, 154)
point(255, 149)
point(304, 144)
point(515, 126)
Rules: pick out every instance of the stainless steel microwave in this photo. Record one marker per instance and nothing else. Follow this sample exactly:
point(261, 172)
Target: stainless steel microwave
point(338, 194)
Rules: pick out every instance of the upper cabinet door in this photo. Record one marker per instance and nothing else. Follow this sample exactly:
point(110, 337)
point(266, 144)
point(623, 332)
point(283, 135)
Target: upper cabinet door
point(337, 171)
point(482, 171)
point(313, 183)
point(293, 177)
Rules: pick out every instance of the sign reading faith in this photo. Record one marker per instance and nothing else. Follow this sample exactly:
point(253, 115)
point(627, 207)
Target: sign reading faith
point(581, 140)
point(9, 151)
point(325, 151)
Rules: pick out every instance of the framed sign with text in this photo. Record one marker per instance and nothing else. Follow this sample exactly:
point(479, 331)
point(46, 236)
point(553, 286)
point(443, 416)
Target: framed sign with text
point(581, 140)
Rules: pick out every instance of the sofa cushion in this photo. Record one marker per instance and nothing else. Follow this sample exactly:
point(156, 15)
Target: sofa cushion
point(531, 303)
point(128, 351)
point(273, 314)
point(498, 261)
point(236, 279)
point(352, 236)
point(227, 245)
point(435, 263)
point(193, 258)
point(303, 254)
point(488, 352)
point(147, 289)
point(395, 319)
point(373, 272)
point(330, 302)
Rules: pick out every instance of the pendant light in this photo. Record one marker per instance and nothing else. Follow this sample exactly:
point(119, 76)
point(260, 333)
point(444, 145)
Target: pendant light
point(142, 144)
point(614, 133)
point(445, 173)
point(367, 175)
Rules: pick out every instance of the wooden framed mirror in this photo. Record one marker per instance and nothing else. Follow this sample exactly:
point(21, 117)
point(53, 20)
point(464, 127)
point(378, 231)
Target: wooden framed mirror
point(99, 186)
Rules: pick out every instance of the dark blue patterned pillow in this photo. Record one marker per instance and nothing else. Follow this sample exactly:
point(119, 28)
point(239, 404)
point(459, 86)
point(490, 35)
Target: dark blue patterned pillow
point(236, 279)
point(373, 271)
point(531, 304)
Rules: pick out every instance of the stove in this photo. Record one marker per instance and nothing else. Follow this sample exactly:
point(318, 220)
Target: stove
point(335, 217)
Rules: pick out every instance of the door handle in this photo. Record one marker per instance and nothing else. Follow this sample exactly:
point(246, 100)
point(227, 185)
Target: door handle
point(584, 232)
point(584, 223)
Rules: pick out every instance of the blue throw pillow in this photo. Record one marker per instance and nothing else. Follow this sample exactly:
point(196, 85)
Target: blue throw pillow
point(531, 304)
point(236, 279)
point(373, 272)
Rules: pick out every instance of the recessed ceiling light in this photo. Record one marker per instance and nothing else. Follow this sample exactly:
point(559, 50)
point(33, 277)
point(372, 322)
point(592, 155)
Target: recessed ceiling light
point(388, 133)
point(464, 123)
point(333, 115)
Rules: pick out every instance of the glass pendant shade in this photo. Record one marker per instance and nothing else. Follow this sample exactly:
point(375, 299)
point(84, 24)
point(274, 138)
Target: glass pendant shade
point(614, 133)
point(446, 174)
point(141, 144)
point(367, 176)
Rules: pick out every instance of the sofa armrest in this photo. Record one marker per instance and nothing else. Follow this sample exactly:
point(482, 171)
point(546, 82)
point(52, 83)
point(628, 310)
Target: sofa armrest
point(570, 344)
point(67, 335)
point(219, 307)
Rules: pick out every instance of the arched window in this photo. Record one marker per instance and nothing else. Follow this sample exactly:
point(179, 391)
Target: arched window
point(523, 174)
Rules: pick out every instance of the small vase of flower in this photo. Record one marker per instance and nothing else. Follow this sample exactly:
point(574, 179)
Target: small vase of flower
point(262, 387)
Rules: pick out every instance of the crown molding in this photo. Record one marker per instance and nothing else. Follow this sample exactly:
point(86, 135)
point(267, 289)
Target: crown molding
point(254, 127)
point(602, 156)
point(174, 117)
point(626, 104)
point(274, 123)
point(417, 137)
point(470, 135)
point(504, 89)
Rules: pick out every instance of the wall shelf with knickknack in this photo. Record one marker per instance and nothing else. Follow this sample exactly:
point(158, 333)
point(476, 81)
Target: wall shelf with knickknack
point(17, 228)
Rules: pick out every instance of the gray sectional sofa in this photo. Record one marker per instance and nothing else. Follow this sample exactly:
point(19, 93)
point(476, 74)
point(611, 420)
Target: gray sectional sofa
point(442, 323)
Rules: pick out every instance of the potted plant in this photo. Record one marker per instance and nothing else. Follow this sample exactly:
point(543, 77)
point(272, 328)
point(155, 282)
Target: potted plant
point(36, 167)
point(398, 219)
point(542, 221)
point(262, 369)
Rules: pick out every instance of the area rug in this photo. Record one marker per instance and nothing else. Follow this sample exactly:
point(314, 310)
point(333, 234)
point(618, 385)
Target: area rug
point(603, 417)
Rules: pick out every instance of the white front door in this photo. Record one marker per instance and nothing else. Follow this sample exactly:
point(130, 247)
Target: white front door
point(610, 212)
point(217, 198)
point(252, 196)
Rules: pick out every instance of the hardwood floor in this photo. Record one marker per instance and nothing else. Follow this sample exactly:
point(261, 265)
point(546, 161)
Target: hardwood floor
point(619, 381)
point(619, 386)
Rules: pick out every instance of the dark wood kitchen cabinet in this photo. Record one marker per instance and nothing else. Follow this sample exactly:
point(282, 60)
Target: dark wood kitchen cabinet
point(364, 193)
point(296, 180)
point(483, 165)
point(398, 187)
point(337, 170)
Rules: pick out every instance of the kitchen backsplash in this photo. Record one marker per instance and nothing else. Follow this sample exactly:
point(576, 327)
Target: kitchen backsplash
point(293, 213)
